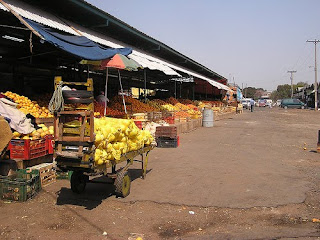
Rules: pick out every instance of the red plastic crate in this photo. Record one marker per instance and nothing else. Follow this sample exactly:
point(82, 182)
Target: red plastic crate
point(169, 120)
point(138, 124)
point(49, 144)
point(26, 149)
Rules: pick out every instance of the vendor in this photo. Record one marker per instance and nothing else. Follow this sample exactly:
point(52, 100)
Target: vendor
point(102, 98)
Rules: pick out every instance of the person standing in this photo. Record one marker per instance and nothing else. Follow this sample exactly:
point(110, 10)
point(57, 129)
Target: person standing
point(251, 105)
point(102, 99)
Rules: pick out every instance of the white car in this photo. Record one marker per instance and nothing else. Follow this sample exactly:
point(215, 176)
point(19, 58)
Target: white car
point(279, 102)
point(245, 103)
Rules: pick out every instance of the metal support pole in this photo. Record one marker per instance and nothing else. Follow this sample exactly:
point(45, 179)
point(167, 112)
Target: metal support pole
point(145, 85)
point(193, 91)
point(206, 92)
point(175, 89)
point(315, 78)
point(124, 102)
point(106, 92)
point(180, 88)
point(315, 74)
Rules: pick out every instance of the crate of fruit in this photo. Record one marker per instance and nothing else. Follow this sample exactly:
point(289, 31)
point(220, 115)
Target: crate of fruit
point(157, 116)
point(21, 186)
point(26, 149)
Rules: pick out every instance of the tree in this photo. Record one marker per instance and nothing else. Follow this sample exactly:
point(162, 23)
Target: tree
point(284, 91)
point(252, 92)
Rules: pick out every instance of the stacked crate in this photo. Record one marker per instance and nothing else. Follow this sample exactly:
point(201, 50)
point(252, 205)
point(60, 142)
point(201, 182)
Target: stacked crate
point(167, 137)
point(21, 186)
point(47, 173)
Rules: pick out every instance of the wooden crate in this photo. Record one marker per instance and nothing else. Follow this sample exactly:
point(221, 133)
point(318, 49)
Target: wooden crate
point(166, 131)
point(184, 127)
point(183, 119)
point(190, 126)
point(46, 121)
point(47, 173)
point(157, 116)
point(140, 116)
point(179, 128)
point(194, 123)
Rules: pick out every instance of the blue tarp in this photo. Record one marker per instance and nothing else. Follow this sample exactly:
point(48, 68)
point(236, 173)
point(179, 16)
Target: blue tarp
point(239, 94)
point(77, 45)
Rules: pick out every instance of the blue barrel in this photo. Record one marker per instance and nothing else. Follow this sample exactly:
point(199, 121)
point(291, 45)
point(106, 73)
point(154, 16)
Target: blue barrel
point(207, 118)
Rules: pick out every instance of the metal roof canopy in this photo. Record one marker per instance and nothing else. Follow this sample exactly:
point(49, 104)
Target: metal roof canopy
point(154, 63)
point(92, 17)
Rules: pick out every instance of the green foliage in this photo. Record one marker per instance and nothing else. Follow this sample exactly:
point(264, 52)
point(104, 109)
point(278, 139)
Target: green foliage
point(252, 92)
point(284, 91)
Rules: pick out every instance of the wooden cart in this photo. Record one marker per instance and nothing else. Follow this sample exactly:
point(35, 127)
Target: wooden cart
point(75, 149)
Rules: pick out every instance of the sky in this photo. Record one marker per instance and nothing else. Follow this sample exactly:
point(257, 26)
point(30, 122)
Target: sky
point(250, 42)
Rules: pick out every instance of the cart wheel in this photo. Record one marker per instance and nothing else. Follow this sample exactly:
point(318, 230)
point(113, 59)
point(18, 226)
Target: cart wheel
point(122, 184)
point(78, 182)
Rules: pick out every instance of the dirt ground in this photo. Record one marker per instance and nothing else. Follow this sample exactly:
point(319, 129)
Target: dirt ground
point(253, 176)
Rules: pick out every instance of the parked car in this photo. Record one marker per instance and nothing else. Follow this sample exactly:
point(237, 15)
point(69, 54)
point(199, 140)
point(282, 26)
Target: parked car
point(269, 102)
point(246, 102)
point(262, 103)
point(279, 102)
point(292, 103)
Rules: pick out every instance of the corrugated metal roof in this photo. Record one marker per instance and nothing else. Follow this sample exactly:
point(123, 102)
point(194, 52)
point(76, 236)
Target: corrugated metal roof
point(3, 7)
point(153, 65)
point(39, 16)
point(145, 60)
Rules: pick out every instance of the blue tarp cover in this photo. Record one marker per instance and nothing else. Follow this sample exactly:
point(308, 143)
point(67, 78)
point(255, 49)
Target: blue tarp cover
point(77, 45)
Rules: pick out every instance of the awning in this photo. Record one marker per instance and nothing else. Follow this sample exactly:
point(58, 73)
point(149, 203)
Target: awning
point(76, 45)
point(219, 85)
point(153, 65)
point(148, 61)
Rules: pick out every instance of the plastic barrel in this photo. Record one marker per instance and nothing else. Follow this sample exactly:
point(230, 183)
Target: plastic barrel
point(207, 118)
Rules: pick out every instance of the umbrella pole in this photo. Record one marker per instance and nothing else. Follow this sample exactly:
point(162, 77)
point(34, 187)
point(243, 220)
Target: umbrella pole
point(106, 92)
point(124, 102)
point(145, 85)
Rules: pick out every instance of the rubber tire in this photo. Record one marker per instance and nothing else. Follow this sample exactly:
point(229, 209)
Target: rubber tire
point(122, 184)
point(285, 107)
point(78, 182)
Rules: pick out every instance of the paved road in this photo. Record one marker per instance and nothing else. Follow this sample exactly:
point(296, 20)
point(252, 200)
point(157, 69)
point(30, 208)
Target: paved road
point(251, 160)
point(254, 159)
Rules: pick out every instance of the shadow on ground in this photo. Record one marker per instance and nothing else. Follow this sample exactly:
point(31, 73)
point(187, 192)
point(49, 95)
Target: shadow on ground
point(97, 190)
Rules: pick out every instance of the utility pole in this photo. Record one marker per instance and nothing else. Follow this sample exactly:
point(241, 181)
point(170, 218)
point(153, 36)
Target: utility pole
point(291, 77)
point(315, 74)
point(246, 91)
